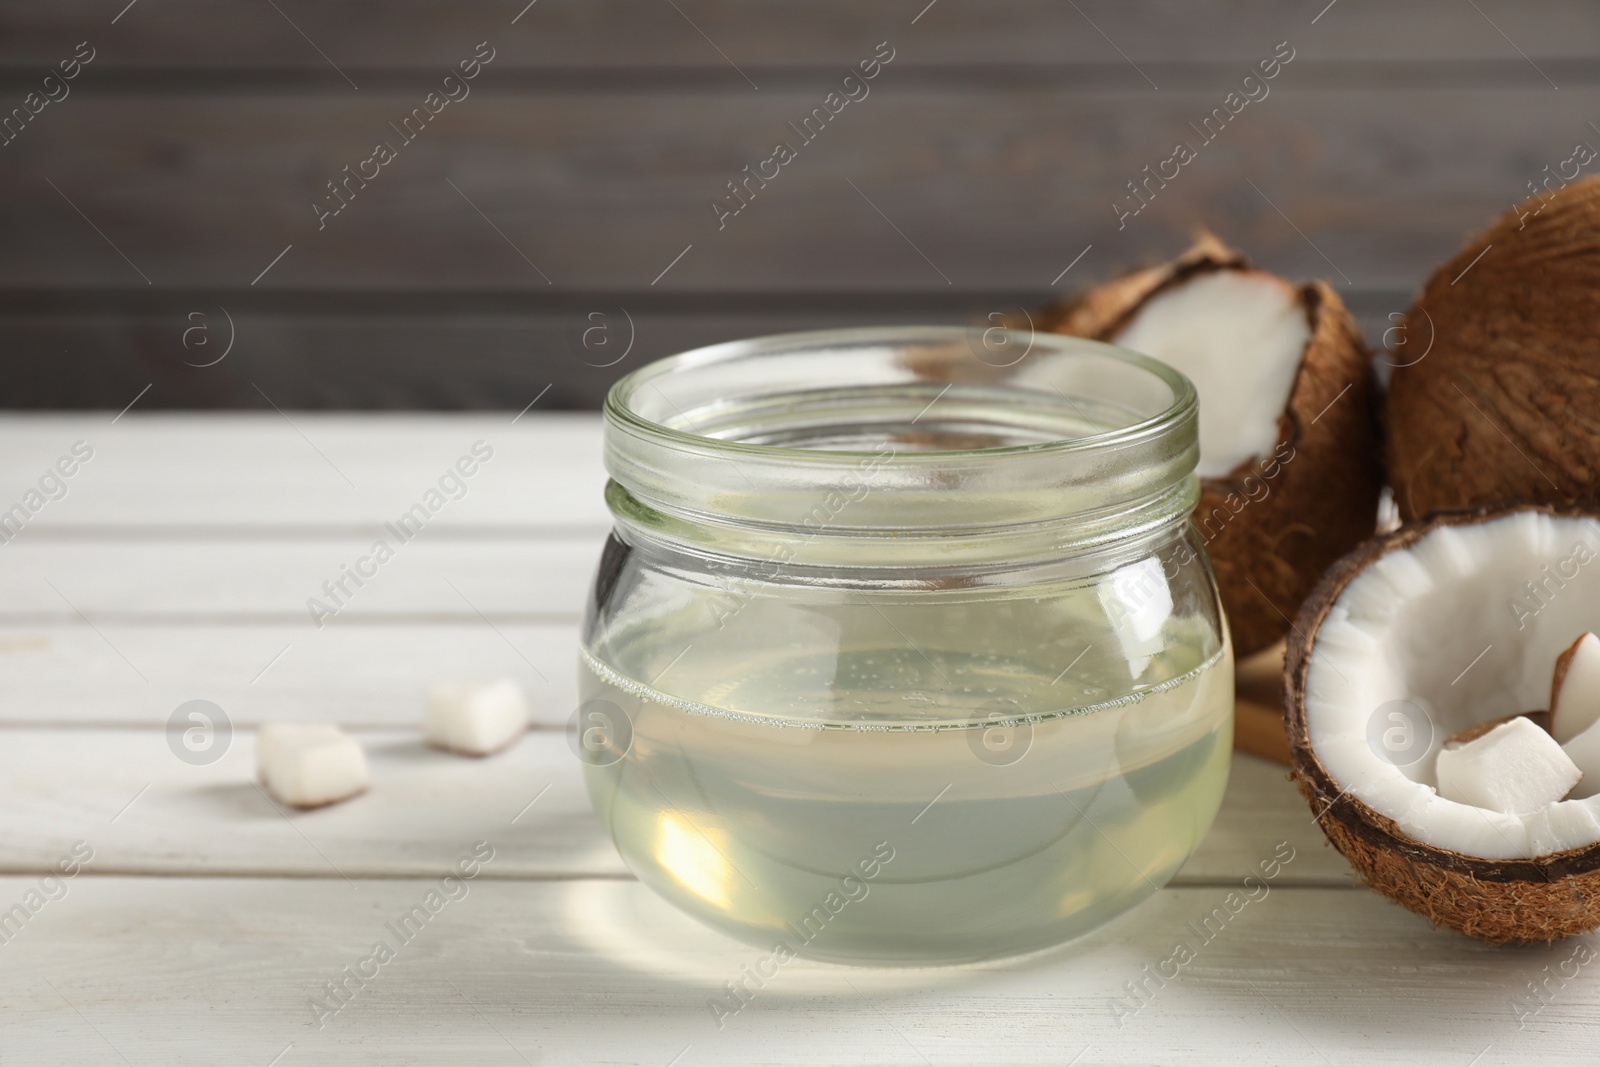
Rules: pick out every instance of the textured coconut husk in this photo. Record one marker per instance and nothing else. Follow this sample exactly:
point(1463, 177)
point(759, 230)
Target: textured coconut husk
point(1322, 502)
point(1497, 901)
point(1501, 400)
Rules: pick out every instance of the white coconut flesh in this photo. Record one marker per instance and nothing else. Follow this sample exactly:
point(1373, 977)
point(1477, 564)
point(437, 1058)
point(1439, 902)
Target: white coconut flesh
point(1239, 335)
point(1467, 623)
point(1575, 694)
point(1515, 768)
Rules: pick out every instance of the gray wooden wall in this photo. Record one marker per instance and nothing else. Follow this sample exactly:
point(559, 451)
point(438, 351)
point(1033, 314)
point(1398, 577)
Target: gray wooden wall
point(145, 210)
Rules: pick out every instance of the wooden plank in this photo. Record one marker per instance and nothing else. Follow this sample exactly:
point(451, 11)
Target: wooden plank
point(387, 355)
point(471, 352)
point(1258, 730)
point(62, 785)
point(615, 34)
point(236, 579)
point(305, 471)
point(246, 579)
point(173, 817)
point(1258, 712)
point(605, 972)
point(998, 190)
point(361, 673)
point(463, 355)
point(176, 583)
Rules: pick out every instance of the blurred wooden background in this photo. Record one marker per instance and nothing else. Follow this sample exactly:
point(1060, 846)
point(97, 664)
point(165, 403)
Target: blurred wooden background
point(986, 159)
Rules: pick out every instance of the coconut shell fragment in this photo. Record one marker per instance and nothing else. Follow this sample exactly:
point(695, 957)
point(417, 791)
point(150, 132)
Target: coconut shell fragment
point(1495, 395)
point(1274, 522)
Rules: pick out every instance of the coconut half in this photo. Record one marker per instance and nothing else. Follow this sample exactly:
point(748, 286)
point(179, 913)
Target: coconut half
point(1495, 396)
point(1418, 636)
point(1289, 455)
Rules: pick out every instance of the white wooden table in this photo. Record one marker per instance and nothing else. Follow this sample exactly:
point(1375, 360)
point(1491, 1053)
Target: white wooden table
point(177, 567)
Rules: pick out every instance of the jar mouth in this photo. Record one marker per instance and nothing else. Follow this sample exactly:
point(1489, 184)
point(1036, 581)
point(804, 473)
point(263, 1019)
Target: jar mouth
point(903, 430)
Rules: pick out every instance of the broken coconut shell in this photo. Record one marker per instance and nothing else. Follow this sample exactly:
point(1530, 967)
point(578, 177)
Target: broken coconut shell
point(1497, 900)
point(1495, 395)
point(1274, 522)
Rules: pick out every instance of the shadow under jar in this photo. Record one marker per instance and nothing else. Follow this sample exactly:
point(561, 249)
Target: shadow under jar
point(896, 656)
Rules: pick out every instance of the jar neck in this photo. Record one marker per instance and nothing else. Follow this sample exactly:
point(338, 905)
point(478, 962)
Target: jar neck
point(820, 542)
point(913, 451)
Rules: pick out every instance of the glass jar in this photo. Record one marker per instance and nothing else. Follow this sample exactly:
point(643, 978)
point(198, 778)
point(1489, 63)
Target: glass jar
point(899, 656)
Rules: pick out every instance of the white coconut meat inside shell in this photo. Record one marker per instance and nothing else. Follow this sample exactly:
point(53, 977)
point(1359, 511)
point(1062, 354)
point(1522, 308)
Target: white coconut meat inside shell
point(1240, 336)
point(1575, 690)
point(1516, 768)
point(1465, 623)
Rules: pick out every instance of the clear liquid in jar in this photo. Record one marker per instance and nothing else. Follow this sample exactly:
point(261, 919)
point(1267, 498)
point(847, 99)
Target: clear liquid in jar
point(786, 796)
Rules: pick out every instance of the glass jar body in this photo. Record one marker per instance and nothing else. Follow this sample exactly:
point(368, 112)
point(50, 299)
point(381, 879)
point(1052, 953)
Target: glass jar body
point(905, 765)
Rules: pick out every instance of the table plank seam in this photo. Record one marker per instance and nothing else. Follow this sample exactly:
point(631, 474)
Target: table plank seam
point(355, 617)
point(423, 873)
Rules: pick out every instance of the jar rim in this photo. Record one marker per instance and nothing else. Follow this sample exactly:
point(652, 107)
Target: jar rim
point(619, 413)
point(903, 431)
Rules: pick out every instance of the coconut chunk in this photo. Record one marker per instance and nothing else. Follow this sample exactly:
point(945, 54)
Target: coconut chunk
point(1584, 751)
point(307, 765)
point(475, 719)
point(1516, 768)
point(1575, 689)
point(1239, 335)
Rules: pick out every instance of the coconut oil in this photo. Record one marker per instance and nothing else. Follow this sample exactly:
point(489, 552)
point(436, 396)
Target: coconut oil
point(874, 801)
point(903, 648)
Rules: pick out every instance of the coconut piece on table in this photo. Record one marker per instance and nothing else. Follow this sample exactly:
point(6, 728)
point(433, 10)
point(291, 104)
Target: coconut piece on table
point(1575, 689)
point(475, 719)
point(1515, 768)
point(307, 765)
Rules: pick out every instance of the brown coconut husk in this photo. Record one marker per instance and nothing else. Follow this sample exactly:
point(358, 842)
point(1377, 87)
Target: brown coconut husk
point(1505, 403)
point(1497, 901)
point(1269, 552)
